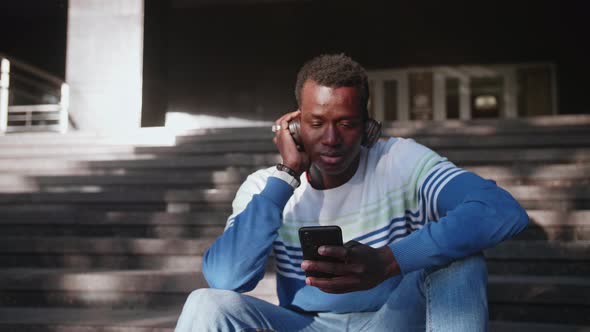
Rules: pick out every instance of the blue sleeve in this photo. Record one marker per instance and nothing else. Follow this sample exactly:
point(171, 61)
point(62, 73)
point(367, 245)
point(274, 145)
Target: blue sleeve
point(474, 214)
point(237, 259)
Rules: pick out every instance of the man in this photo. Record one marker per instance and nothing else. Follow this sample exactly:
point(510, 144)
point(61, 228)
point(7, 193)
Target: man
point(416, 225)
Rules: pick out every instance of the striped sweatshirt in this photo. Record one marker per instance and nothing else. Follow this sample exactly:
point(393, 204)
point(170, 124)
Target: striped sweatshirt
point(403, 195)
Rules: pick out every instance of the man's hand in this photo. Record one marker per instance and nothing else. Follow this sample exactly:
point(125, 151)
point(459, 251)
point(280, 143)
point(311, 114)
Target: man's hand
point(292, 158)
point(362, 267)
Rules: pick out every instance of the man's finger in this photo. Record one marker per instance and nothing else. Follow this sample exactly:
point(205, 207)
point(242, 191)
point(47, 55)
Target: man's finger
point(292, 115)
point(333, 251)
point(331, 267)
point(286, 117)
point(336, 285)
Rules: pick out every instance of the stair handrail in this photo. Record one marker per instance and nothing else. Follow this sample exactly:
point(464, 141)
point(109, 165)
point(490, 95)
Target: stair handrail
point(6, 62)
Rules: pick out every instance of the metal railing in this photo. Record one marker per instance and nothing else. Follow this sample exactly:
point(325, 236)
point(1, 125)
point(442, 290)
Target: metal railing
point(31, 99)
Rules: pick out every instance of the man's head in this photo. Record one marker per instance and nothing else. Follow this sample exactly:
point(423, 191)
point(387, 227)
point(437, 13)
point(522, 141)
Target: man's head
point(335, 70)
point(332, 93)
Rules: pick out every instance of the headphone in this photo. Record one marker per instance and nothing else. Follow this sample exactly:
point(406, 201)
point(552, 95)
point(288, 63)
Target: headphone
point(370, 137)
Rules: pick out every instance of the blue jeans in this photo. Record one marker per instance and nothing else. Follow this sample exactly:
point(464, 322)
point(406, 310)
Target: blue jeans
point(450, 298)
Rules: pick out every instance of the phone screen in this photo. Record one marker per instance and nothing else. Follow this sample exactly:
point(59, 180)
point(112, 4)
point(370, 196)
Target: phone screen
point(313, 237)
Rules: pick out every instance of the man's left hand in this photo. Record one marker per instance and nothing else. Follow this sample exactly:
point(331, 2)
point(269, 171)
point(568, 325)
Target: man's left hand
point(362, 267)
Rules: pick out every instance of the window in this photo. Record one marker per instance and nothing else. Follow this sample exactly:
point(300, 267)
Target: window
point(485, 97)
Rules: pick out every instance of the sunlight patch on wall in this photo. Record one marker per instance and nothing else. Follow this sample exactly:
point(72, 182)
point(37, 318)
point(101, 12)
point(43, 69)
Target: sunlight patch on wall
point(178, 122)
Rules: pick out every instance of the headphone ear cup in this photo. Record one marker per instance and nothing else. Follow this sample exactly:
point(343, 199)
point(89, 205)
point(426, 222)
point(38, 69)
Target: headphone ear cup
point(372, 133)
point(294, 126)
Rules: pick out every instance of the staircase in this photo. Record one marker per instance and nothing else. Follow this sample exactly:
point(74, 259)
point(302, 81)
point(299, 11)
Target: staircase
point(96, 235)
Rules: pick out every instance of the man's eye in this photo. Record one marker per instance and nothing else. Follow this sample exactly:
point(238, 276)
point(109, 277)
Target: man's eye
point(347, 124)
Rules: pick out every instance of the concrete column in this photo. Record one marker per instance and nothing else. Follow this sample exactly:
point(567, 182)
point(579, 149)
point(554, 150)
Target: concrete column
point(440, 102)
point(4, 85)
point(510, 93)
point(464, 98)
point(378, 101)
point(403, 98)
point(104, 63)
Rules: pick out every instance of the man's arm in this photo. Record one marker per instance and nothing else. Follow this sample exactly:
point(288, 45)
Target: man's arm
point(237, 259)
point(475, 214)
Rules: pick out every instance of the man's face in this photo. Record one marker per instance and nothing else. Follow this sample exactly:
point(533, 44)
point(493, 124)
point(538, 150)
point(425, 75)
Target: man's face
point(332, 127)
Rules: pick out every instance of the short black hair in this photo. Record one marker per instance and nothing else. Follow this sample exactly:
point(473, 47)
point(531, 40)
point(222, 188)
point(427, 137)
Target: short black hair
point(335, 70)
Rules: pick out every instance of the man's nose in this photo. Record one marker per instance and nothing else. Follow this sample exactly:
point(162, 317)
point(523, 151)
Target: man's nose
point(331, 136)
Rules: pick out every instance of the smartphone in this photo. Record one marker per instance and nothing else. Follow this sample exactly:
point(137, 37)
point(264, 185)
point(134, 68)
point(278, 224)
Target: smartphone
point(313, 237)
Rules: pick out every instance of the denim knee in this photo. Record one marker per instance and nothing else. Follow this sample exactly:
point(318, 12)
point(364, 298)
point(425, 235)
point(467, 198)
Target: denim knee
point(210, 306)
point(473, 266)
point(469, 268)
point(456, 296)
point(216, 300)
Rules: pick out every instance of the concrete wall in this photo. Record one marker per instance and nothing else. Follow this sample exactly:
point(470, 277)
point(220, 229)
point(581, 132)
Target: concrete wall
point(233, 59)
point(241, 60)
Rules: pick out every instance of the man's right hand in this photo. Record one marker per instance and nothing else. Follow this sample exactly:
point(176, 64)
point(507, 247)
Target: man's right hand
point(362, 267)
point(292, 158)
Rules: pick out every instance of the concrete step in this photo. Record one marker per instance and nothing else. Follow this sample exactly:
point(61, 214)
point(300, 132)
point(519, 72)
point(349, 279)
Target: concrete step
point(531, 197)
point(103, 246)
point(99, 207)
point(164, 179)
point(514, 156)
point(545, 174)
point(525, 192)
point(40, 150)
point(542, 299)
point(88, 320)
point(505, 141)
point(164, 320)
point(564, 199)
point(507, 326)
point(265, 144)
point(551, 290)
point(103, 253)
point(125, 289)
point(567, 125)
point(112, 164)
point(101, 261)
point(544, 224)
point(143, 136)
point(27, 175)
point(548, 175)
point(540, 258)
point(114, 224)
point(560, 299)
point(159, 231)
point(95, 288)
point(509, 258)
point(162, 200)
point(93, 218)
point(557, 225)
point(114, 207)
point(194, 163)
point(526, 126)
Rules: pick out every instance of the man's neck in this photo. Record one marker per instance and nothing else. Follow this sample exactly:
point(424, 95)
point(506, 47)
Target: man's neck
point(322, 181)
